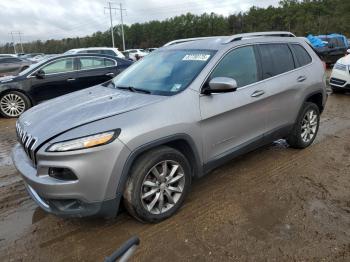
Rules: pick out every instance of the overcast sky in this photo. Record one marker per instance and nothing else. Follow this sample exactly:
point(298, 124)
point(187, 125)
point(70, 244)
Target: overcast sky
point(47, 19)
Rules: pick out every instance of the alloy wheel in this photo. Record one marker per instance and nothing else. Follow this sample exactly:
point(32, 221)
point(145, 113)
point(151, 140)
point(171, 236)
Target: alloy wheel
point(162, 187)
point(12, 105)
point(309, 126)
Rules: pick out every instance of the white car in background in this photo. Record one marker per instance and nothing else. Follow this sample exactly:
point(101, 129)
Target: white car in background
point(340, 77)
point(135, 54)
point(97, 50)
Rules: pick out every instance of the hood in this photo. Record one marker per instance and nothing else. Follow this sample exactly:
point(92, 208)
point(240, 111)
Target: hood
point(7, 79)
point(66, 112)
point(344, 60)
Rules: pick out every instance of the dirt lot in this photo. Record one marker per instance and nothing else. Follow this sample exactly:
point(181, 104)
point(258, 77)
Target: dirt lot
point(274, 204)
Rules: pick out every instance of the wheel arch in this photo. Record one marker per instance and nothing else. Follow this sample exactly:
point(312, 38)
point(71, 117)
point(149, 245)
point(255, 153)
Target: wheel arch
point(181, 142)
point(8, 90)
point(316, 98)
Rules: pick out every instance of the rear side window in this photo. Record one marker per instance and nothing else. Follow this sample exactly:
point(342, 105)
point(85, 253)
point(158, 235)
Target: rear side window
point(302, 56)
point(108, 52)
point(275, 59)
point(10, 60)
point(240, 64)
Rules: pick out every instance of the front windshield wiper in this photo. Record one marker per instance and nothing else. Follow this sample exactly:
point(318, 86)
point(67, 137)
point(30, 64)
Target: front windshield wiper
point(133, 89)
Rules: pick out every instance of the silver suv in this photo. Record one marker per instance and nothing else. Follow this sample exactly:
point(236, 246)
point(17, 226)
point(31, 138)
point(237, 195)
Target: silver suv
point(175, 115)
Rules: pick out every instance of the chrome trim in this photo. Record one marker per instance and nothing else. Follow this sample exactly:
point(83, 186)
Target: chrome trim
point(31, 75)
point(27, 141)
point(37, 198)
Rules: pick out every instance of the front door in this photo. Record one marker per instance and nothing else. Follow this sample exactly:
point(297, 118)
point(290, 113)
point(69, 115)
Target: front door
point(59, 79)
point(232, 121)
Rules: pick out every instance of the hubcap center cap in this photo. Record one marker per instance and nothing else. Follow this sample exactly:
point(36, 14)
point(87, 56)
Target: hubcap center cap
point(162, 186)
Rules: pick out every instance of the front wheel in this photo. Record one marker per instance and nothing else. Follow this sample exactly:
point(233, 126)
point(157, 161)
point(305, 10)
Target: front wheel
point(13, 104)
point(305, 129)
point(158, 184)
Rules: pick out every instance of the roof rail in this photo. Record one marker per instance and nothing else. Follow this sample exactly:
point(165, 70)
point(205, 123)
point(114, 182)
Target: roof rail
point(179, 41)
point(234, 37)
point(258, 34)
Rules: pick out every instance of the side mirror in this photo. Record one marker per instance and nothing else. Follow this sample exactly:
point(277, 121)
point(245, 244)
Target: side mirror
point(40, 74)
point(220, 85)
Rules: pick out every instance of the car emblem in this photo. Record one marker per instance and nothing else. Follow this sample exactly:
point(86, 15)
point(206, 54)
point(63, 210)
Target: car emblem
point(26, 123)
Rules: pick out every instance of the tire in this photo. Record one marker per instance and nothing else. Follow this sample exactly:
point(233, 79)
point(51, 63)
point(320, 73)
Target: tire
point(143, 191)
point(305, 130)
point(13, 104)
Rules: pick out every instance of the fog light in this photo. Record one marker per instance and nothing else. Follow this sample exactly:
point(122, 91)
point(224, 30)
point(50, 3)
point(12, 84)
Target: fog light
point(62, 174)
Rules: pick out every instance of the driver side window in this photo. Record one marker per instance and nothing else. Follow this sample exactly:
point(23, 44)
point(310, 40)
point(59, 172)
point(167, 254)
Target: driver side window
point(239, 64)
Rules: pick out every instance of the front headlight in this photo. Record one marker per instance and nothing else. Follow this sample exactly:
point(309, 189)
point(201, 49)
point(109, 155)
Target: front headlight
point(84, 142)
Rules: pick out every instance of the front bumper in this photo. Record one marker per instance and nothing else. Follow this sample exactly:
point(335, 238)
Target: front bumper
point(340, 79)
point(93, 193)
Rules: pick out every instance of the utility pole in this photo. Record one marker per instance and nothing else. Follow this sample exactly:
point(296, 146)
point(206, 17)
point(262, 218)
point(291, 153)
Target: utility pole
point(121, 18)
point(110, 8)
point(20, 40)
point(121, 9)
point(13, 42)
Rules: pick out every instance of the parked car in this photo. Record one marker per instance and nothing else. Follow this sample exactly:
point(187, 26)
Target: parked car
point(53, 77)
point(329, 47)
point(8, 55)
point(340, 77)
point(12, 65)
point(135, 54)
point(97, 50)
point(149, 50)
point(173, 116)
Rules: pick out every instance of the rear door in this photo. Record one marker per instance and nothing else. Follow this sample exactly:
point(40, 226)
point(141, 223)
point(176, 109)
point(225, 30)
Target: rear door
point(60, 78)
point(95, 70)
point(236, 120)
point(282, 83)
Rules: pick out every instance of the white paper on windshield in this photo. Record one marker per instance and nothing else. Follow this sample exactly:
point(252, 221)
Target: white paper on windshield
point(196, 57)
point(175, 88)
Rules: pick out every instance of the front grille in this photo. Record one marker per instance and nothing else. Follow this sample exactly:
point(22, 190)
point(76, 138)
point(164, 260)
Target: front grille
point(27, 141)
point(340, 67)
point(337, 81)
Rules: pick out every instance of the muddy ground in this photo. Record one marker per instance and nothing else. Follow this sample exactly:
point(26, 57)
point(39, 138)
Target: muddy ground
point(274, 204)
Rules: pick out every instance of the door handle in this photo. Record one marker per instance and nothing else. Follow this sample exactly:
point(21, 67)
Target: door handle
point(257, 93)
point(301, 78)
point(70, 79)
point(109, 74)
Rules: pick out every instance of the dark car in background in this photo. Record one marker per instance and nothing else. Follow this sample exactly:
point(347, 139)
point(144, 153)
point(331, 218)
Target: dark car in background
point(12, 65)
point(330, 47)
point(54, 77)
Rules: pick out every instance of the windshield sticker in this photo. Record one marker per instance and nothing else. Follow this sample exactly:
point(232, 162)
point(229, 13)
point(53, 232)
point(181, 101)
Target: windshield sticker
point(196, 57)
point(175, 88)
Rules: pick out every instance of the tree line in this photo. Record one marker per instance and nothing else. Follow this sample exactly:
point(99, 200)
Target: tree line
point(300, 17)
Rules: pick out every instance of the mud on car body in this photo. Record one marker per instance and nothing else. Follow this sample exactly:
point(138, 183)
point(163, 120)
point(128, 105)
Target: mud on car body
point(180, 112)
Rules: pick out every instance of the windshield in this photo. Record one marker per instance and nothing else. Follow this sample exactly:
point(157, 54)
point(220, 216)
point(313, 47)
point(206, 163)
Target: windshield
point(164, 72)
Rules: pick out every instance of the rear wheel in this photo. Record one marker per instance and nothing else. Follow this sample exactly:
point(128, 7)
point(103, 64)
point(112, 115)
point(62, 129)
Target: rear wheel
point(13, 104)
point(158, 184)
point(305, 129)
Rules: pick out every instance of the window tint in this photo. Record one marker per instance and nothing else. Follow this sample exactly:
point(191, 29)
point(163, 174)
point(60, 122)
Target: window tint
point(239, 64)
point(276, 59)
point(91, 62)
point(301, 54)
point(108, 52)
point(109, 62)
point(10, 60)
point(60, 66)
